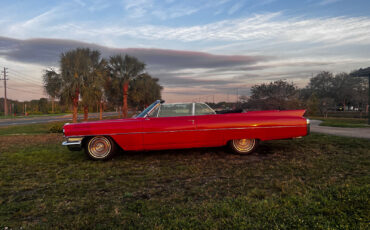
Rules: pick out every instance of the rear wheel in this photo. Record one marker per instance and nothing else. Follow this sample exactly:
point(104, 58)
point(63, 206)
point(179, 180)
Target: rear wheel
point(243, 146)
point(100, 148)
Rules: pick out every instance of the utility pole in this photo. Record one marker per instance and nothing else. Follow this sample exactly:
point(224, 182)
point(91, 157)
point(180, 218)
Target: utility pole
point(5, 99)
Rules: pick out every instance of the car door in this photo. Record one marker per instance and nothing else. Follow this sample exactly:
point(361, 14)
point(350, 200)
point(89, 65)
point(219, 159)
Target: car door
point(208, 125)
point(172, 127)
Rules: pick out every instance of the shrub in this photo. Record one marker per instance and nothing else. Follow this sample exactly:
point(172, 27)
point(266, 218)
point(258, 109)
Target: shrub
point(58, 128)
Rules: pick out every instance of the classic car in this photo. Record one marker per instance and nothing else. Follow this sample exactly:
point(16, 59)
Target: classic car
point(184, 125)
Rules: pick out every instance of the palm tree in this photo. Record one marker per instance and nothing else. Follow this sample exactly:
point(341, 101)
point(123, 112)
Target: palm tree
point(92, 92)
point(52, 85)
point(124, 69)
point(76, 66)
point(144, 90)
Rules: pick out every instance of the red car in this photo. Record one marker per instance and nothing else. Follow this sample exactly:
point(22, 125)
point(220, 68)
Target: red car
point(184, 125)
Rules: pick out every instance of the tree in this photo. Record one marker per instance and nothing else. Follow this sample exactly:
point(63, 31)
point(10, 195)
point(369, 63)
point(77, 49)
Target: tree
point(313, 105)
point(43, 105)
point(275, 95)
point(322, 84)
point(344, 89)
point(76, 67)
point(52, 85)
point(93, 88)
point(331, 91)
point(122, 70)
point(144, 90)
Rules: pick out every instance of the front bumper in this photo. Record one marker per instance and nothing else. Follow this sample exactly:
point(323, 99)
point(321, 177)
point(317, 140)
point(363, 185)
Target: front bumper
point(73, 143)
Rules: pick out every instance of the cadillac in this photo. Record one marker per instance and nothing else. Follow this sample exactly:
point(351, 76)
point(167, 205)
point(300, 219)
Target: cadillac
point(184, 125)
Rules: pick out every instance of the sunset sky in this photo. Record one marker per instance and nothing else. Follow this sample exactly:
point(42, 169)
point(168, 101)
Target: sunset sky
point(198, 49)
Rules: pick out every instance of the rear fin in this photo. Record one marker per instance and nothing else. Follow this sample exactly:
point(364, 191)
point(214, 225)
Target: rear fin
point(293, 113)
point(288, 113)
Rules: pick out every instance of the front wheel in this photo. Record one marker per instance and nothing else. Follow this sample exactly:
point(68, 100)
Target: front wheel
point(100, 148)
point(243, 146)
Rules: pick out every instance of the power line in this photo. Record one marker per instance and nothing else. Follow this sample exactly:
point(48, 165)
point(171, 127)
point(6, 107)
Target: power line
point(22, 74)
point(23, 81)
point(24, 77)
point(24, 91)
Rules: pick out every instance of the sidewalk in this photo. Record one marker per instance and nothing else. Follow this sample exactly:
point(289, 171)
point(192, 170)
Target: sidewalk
point(346, 132)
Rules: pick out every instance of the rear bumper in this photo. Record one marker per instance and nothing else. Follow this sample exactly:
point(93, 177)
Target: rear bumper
point(308, 126)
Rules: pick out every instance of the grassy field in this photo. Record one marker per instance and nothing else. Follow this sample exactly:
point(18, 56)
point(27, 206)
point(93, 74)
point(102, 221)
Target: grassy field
point(29, 129)
point(33, 115)
point(342, 122)
point(319, 182)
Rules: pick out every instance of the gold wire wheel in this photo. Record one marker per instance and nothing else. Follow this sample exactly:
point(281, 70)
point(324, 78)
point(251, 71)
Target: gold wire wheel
point(244, 145)
point(99, 147)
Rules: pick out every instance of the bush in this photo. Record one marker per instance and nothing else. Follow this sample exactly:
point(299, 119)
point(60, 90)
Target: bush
point(56, 128)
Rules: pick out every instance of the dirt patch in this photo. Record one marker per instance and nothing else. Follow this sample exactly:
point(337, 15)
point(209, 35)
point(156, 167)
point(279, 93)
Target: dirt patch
point(8, 143)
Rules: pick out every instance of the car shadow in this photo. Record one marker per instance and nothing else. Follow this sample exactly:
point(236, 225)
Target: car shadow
point(265, 150)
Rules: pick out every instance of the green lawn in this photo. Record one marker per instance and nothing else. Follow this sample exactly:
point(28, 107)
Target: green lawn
point(29, 129)
point(33, 115)
point(343, 122)
point(318, 182)
point(38, 128)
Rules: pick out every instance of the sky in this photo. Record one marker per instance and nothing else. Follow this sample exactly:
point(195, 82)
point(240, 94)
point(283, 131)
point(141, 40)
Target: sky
point(200, 50)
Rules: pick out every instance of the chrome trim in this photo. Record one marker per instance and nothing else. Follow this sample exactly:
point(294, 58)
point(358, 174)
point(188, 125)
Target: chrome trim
point(154, 107)
point(214, 112)
point(244, 145)
point(77, 143)
point(99, 147)
point(194, 130)
point(73, 141)
point(308, 123)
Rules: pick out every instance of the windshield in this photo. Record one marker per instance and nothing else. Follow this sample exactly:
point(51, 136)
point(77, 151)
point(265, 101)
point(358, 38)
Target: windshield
point(150, 107)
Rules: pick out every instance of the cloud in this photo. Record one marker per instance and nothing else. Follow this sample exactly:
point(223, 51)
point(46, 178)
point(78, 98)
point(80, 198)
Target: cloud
point(47, 52)
point(327, 2)
point(266, 28)
point(174, 68)
point(237, 6)
point(142, 8)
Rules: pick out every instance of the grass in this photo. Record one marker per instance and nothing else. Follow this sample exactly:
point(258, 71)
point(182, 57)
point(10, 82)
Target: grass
point(33, 115)
point(343, 122)
point(41, 128)
point(319, 182)
point(29, 129)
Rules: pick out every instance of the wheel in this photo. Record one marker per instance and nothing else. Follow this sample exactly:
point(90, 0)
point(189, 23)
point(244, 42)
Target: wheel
point(100, 148)
point(243, 146)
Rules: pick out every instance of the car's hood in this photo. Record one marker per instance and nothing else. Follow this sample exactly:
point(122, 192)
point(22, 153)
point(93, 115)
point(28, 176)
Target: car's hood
point(101, 127)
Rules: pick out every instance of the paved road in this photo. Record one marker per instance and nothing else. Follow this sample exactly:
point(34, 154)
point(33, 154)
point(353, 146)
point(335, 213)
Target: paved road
point(346, 132)
point(47, 119)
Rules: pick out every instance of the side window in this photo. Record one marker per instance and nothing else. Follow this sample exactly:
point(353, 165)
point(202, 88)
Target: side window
point(202, 109)
point(175, 110)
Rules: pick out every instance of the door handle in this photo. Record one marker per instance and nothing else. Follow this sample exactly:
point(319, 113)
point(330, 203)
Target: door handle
point(192, 121)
